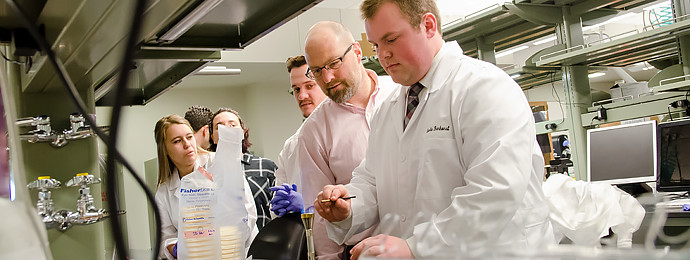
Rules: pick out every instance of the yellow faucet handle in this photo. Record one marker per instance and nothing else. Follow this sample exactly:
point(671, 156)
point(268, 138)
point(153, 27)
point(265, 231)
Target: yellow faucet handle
point(83, 174)
point(43, 177)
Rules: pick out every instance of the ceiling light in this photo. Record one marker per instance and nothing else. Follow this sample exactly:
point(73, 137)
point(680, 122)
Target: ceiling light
point(511, 51)
point(595, 75)
point(188, 21)
point(218, 70)
point(549, 39)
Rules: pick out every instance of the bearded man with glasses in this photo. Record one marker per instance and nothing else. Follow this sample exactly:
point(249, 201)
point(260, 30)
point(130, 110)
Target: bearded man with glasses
point(333, 140)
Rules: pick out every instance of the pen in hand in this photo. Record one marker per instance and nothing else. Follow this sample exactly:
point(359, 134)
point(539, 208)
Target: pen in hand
point(345, 198)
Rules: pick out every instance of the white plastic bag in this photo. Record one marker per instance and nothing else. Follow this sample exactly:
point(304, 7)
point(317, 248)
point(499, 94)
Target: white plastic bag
point(584, 211)
point(197, 236)
point(230, 212)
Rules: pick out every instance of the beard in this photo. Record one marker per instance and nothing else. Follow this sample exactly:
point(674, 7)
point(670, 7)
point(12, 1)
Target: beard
point(341, 96)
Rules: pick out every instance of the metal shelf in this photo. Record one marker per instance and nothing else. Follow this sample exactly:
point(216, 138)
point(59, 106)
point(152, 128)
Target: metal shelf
point(496, 25)
point(531, 76)
point(372, 63)
point(632, 109)
point(581, 6)
point(677, 83)
point(630, 48)
point(510, 25)
point(514, 24)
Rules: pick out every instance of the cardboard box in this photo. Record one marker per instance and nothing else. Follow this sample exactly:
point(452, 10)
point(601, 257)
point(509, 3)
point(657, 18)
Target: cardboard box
point(367, 47)
point(628, 89)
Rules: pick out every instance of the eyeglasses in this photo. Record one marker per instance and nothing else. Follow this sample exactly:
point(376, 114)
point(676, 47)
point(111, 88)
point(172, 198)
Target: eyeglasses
point(334, 65)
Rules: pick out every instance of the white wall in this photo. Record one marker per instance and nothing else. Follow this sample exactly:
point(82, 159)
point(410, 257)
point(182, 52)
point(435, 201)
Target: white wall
point(273, 116)
point(552, 95)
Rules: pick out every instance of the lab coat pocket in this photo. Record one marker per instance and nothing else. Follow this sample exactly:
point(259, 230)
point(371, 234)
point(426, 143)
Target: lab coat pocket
point(439, 169)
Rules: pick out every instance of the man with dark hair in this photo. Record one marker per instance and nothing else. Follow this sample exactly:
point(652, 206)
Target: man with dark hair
point(307, 93)
point(308, 96)
point(456, 141)
point(199, 117)
point(260, 172)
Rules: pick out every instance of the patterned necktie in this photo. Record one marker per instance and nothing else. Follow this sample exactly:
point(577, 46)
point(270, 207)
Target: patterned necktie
point(412, 102)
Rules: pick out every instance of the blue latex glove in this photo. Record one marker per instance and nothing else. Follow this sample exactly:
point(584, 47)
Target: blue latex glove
point(286, 199)
point(174, 253)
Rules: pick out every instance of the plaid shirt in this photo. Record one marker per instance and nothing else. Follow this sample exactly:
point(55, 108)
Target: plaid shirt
point(260, 174)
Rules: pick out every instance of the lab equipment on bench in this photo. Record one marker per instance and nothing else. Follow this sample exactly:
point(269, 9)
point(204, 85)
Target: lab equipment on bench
point(673, 144)
point(281, 238)
point(622, 154)
point(308, 221)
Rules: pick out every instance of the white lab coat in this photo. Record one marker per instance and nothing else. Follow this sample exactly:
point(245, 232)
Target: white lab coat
point(168, 201)
point(469, 155)
point(288, 163)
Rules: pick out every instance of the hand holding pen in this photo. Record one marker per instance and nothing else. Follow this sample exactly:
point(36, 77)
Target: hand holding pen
point(333, 203)
point(342, 198)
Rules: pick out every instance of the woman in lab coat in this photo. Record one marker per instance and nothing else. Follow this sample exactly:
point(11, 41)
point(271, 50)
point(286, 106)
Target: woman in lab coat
point(177, 157)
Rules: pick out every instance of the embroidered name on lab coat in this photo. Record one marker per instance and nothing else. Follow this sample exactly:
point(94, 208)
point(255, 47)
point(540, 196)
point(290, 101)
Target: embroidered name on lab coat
point(438, 128)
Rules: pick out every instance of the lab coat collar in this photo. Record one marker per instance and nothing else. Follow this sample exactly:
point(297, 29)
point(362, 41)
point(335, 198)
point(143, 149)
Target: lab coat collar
point(174, 184)
point(434, 78)
point(174, 180)
point(437, 75)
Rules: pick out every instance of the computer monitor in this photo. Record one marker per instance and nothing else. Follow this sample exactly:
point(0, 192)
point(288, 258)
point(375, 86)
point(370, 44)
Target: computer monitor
point(674, 156)
point(622, 154)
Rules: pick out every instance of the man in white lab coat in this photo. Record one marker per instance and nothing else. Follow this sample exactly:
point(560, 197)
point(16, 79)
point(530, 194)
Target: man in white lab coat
point(456, 141)
point(308, 96)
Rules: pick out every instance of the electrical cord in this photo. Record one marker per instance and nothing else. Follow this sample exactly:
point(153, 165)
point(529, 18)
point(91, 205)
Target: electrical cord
point(81, 106)
point(553, 91)
point(128, 58)
point(8, 59)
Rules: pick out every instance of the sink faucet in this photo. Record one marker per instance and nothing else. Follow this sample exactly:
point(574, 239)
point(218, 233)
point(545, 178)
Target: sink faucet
point(45, 204)
point(86, 213)
point(44, 133)
point(78, 129)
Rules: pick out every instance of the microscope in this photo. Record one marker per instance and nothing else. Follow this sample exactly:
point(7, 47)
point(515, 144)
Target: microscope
point(561, 162)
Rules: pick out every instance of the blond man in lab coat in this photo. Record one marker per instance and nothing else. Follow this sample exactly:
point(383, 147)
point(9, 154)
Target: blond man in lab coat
point(456, 140)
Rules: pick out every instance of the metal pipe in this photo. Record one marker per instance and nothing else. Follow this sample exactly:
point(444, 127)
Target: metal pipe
point(623, 74)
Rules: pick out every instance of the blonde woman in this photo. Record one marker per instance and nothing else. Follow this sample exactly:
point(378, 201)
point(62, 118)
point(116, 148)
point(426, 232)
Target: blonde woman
point(177, 156)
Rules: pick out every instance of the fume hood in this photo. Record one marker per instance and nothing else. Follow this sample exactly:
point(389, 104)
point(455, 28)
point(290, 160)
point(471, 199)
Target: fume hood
point(178, 38)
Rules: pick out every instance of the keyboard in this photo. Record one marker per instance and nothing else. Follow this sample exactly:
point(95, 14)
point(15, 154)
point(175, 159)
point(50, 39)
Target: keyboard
point(680, 207)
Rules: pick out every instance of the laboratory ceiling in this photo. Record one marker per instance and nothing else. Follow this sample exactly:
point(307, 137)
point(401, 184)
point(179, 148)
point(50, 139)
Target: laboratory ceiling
point(274, 73)
point(253, 73)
